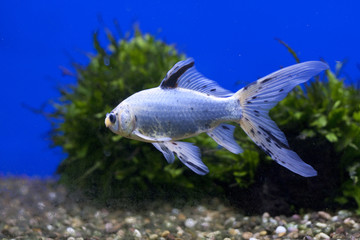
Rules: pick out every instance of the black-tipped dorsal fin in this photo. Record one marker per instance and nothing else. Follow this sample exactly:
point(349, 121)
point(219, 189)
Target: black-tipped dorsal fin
point(173, 75)
point(184, 75)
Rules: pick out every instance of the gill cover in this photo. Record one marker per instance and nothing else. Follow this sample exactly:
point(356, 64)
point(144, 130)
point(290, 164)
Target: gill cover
point(126, 121)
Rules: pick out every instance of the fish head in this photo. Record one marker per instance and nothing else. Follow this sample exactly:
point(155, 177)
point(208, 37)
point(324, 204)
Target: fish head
point(121, 120)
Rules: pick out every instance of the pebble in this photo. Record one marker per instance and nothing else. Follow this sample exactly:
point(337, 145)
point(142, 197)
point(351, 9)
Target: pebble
point(247, 235)
point(130, 220)
point(137, 233)
point(120, 233)
point(190, 223)
point(212, 235)
point(293, 235)
point(230, 221)
point(153, 236)
point(175, 211)
point(280, 230)
point(324, 215)
point(234, 232)
point(322, 236)
point(321, 225)
point(165, 233)
point(263, 233)
point(180, 231)
point(201, 209)
point(344, 213)
point(349, 222)
point(70, 231)
point(181, 217)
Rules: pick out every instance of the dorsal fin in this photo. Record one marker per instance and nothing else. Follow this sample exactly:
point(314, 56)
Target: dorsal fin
point(173, 75)
point(184, 75)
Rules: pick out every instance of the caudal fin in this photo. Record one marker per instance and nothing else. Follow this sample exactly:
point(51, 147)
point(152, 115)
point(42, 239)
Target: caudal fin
point(259, 97)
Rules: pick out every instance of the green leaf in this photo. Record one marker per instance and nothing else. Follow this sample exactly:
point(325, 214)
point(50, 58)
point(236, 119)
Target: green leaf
point(308, 133)
point(331, 137)
point(320, 122)
point(356, 116)
point(116, 138)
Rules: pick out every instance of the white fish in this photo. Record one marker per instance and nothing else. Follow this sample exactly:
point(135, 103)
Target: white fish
point(186, 104)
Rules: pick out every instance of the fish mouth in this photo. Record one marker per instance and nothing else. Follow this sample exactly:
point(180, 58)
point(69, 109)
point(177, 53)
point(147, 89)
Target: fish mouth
point(107, 120)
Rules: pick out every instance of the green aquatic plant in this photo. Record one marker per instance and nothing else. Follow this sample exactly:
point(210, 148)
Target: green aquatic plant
point(321, 122)
point(108, 165)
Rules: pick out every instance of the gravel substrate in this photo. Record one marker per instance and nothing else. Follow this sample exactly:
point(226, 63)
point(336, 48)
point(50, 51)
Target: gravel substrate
point(41, 209)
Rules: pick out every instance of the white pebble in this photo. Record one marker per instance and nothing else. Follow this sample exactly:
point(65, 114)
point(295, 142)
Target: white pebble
point(130, 220)
point(120, 233)
point(205, 225)
point(291, 227)
point(349, 221)
point(356, 226)
point(137, 233)
point(208, 218)
point(52, 196)
point(108, 227)
point(324, 215)
point(273, 221)
point(320, 225)
point(41, 205)
point(344, 213)
point(70, 231)
point(230, 221)
point(153, 236)
point(280, 229)
point(190, 223)
point(322, 236)
point(308, 223)
point(175, 211)
point(180, 231)
point(201, 208)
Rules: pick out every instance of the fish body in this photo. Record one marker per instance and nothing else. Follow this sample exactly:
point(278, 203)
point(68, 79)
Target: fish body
point(179, 113)
point(186, 104)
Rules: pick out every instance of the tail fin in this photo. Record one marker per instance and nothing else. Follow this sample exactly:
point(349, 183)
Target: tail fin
point(257, 98)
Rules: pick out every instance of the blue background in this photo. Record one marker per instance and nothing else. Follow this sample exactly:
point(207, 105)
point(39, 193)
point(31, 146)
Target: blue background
point(231, 41)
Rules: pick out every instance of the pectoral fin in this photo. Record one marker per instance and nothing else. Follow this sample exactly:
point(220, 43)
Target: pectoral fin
point(224, 136)
point(150, 139)
point(186, 152)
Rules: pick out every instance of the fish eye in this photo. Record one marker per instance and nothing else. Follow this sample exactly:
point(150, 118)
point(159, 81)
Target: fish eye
point(112, 118)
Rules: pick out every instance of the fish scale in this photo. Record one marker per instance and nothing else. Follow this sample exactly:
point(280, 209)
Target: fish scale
point(177, 113)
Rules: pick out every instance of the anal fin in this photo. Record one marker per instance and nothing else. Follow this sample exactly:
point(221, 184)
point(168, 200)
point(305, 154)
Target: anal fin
point(188, 154)
point(223, 134)
point(169, 156)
